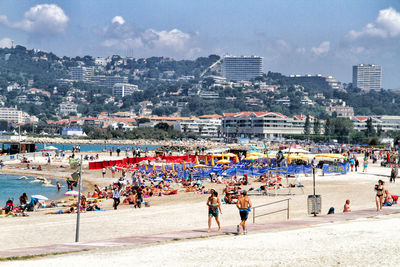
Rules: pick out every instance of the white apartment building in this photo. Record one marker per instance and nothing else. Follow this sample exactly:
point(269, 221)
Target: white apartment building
point(242, 68)
point(261, 125)
point(100, 61)
point(342, 111)
point(124, 89)
point(15, 115)
point(206, 128)
point(387, 122)
point(367, 77)
point(82, 73)
point(66, 108)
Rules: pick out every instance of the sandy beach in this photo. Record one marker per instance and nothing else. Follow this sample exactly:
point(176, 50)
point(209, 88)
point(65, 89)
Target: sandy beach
point(177, 212)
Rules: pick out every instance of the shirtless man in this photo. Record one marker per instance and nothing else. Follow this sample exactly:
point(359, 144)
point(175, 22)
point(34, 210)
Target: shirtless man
point(214, 205)
point(346, 207)
point(244, 206)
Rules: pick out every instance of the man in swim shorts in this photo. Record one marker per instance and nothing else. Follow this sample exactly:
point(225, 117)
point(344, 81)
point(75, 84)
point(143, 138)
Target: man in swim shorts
point(244, 206)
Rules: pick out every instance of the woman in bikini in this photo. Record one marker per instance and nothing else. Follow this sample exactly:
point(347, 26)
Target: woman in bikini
point(214, 208)
point(379, 194)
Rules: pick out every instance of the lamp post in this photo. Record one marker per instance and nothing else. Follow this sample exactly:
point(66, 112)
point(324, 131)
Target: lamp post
point(78, 217)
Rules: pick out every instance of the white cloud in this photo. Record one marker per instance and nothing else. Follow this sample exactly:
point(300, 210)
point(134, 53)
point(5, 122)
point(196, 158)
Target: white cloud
point(357, 49)
point(387, 24)
point(321, 49)
point(118, 19)
point(45, 19)
point(122, 35)
point(5, 42)
point(301, 50)
point(174, 39)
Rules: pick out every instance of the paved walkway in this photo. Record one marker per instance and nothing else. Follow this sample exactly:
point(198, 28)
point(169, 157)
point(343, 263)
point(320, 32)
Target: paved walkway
point(172, 236)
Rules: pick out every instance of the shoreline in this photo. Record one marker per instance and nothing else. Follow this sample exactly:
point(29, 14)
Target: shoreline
point(86, 183)
point(142, 142)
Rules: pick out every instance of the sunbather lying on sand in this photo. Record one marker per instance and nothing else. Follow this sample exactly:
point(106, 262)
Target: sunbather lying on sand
point(70, 210)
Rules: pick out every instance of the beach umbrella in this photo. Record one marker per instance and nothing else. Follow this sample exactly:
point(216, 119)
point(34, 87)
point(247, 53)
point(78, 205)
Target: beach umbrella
point(71, 193)
point(217, 155)
point(251, 157)
point(173, 167)
point(40, 197)
point(212, 161)
point(229, 155)
point(197, 160)
point(199, 166)
point(256, 154)
point(295, 150)
point(223, 161)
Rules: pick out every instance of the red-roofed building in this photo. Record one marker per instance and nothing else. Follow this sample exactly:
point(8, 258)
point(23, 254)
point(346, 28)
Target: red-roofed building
point(261, 125)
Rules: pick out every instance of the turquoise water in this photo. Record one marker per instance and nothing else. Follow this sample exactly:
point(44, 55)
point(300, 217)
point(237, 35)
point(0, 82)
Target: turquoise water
point(96, 147)
point(12, 187)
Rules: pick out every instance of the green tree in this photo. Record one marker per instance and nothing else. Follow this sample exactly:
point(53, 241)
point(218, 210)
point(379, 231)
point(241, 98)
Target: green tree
point(200, 129)
point(370, 131)
point(162, 125)
point(185, 128)
point(357, 137)
point(317, 126)
point(307, 126)
point(328, 127)
point(342, 127)
point(379, 130)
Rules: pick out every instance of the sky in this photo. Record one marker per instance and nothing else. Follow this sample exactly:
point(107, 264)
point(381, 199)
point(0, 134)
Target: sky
point(293, 36)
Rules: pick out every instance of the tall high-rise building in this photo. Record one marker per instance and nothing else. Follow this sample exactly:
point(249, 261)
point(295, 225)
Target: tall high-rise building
point(367, 77)
point(243, 68)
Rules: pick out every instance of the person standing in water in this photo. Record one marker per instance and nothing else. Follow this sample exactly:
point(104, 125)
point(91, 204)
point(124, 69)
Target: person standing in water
point(58, 186)
point(214, 207)
point(244, 206)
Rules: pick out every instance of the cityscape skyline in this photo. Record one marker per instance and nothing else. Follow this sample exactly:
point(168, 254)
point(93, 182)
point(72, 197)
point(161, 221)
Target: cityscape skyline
point(293, 37)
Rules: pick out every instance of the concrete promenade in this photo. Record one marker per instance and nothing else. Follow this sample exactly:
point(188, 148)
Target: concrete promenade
point(180, 235)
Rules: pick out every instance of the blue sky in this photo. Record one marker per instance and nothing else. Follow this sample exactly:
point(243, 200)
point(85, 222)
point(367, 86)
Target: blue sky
point(293, 36)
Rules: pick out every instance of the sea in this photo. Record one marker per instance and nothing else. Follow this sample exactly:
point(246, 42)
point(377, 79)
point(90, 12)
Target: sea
point(12, 187)
point(97, 147)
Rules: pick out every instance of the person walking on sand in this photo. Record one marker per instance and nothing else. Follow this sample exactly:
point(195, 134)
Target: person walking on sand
point(379, 194)
point(214, 205)
point(356, 164)
point(244, 206)
point(393, 175)
point(103, 171)
point(117, 195)
point(365, 164)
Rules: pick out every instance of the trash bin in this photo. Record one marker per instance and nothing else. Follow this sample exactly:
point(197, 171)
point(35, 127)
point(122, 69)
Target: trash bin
point(314, 204)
